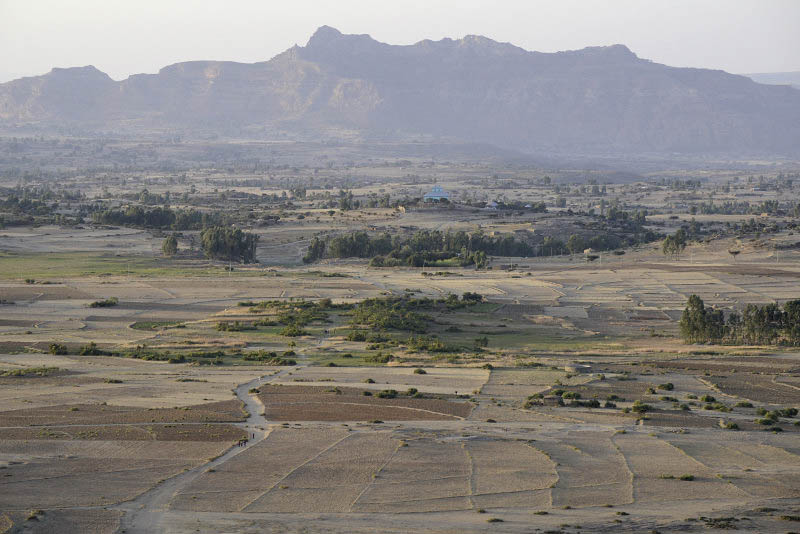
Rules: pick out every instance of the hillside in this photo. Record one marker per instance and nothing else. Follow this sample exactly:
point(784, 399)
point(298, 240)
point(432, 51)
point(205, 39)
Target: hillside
point(599, 100)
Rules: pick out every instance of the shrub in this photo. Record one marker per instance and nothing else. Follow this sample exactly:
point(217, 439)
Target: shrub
point(669, 386)
point(378, 358)
point(236, 326)
point(58, 349)
point(107, 303)
point(687, 478)
point(29, 371)
point(387, 394)
point(744, 404)
point(91, 350)
point(293, 330)
point(707, 398)
point(640, 407)
point(419, 371)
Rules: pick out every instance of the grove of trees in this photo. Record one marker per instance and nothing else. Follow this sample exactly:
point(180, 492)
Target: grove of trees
point(769, 324)
point(158, 218)
point(229, 243)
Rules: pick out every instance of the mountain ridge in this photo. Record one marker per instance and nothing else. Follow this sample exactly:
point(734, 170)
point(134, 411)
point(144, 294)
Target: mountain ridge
point(596, 100)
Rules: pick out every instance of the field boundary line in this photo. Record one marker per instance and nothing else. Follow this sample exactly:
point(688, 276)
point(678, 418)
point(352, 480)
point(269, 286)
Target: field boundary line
point(287, 475)
point(375, 474)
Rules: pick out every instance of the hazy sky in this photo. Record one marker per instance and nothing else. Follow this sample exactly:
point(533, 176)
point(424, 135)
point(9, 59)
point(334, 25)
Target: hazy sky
point(133, 36)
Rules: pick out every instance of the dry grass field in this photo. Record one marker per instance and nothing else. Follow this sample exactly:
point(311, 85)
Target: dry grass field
point(511, 430)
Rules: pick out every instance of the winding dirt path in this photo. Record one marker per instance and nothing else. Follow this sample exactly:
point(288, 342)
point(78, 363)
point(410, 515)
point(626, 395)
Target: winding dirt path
point(145, 513)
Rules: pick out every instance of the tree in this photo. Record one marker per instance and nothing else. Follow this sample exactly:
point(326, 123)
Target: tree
point(315, 251)
point(674, 244)
point(693, 320)
point(170, 246)
point(229, 243)
point(576, 244)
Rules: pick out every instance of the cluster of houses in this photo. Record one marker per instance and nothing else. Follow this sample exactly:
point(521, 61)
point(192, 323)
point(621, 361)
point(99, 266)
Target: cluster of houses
point(437, 194)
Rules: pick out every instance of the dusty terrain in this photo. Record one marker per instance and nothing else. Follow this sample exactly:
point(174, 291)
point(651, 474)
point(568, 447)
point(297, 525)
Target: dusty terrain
point(498, 438)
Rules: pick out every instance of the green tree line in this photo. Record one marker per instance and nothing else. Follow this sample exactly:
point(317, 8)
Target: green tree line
point(770, 324)
point(158, 218)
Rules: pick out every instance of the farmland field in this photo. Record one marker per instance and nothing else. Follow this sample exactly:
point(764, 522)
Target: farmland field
point(145, 392)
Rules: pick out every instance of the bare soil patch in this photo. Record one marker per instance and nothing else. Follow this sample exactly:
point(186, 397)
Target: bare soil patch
point(241, 481)
point(308, 403)
point(155, 432)
point(66, 522)
point(88, 414)
point(759, 388)
point(427, 475)
point(742, 365)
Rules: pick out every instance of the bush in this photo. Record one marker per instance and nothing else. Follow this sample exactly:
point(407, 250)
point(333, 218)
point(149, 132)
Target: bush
point(669, 386)
point(58, 349)
point(91, 350)
point(107, 303)
point(419, 371)
point(378, 358)
point(707, 398)
point(236, 326)
point(387, 394)
point(293, 330)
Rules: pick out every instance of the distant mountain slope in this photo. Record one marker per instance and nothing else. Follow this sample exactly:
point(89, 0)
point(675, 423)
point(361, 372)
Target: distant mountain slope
point(777, 78)
point(600, 100)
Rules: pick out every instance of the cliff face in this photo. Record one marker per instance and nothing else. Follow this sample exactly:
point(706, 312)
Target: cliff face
point(592, 101)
